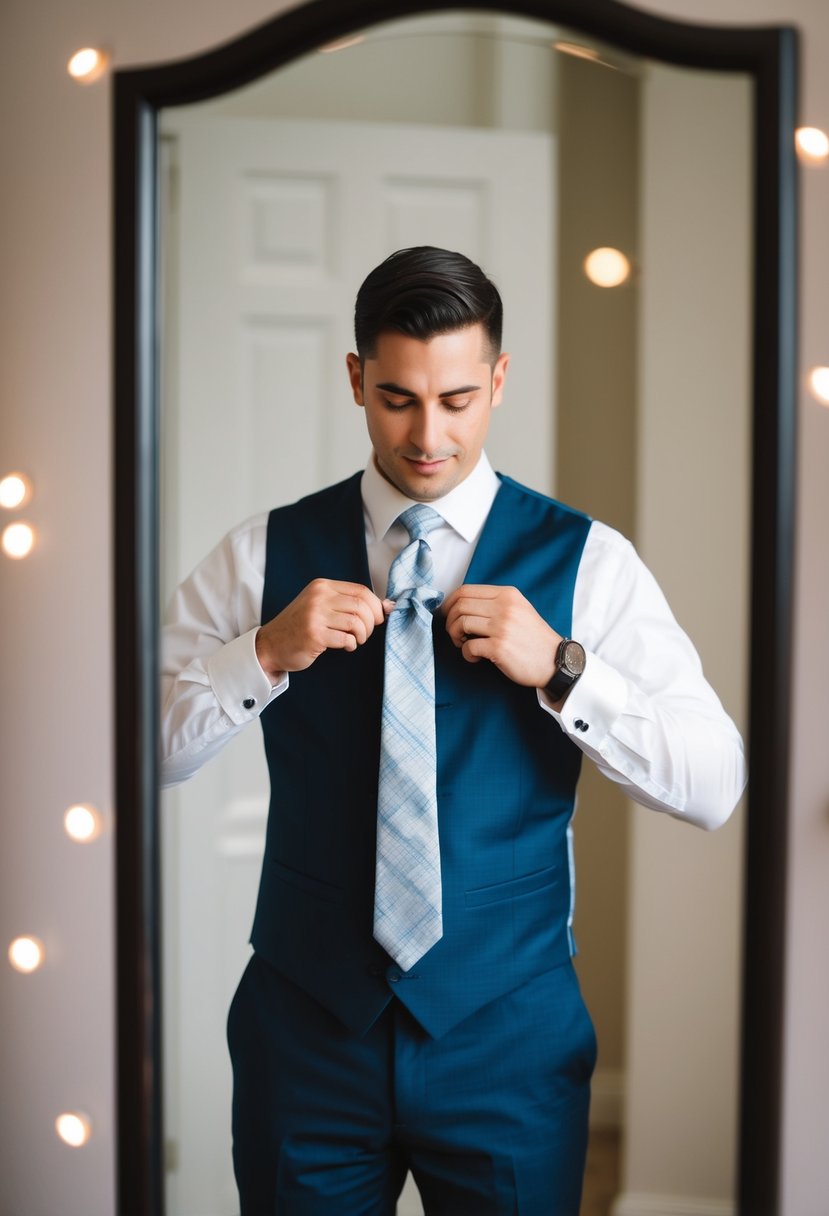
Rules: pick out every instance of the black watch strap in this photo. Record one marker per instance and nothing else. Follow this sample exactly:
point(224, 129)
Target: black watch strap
point(570, 660)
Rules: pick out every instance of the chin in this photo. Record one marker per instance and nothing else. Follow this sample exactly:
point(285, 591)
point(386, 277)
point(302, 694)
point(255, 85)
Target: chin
point(423, 487)
point(426, 493)
point(426, 489)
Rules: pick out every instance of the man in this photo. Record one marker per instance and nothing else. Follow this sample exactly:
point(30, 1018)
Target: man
point(411, 1003)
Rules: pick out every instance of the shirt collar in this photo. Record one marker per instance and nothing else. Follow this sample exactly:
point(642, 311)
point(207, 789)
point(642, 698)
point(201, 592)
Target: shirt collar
point(464, 508)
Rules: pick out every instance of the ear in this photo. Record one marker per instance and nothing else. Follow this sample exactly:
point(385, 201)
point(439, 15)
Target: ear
point(355, 377)
point(499, 375)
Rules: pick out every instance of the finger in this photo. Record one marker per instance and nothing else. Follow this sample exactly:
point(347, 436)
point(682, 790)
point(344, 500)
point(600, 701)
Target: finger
point(446, 605)
point(475, 649)
point(375, 605)
point(364, 596)
point(477, 626)
point(363, 615)
point(340, 639)
point(455, 629)
point(466, 626)
point(455, 612)
point(473, 610)
point(368, 611)
point(359, 589)
point(349, 620)
point(473, 605)
point(481, 591)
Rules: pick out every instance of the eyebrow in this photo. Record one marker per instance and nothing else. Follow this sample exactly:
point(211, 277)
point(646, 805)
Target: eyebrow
point(398, 390)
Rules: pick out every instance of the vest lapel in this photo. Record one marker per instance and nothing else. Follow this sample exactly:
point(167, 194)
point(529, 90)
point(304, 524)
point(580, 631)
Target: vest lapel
point(493, 547)
point(347, 555)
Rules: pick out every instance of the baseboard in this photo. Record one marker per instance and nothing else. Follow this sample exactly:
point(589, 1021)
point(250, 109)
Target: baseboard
point(607, 1094)
point(631, 1204)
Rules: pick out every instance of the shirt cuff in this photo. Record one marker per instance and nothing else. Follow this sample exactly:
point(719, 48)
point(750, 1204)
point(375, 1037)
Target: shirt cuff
point(593, 704)
point(238, 681)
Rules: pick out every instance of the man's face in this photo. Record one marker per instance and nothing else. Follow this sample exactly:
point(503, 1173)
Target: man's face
point(428, 406)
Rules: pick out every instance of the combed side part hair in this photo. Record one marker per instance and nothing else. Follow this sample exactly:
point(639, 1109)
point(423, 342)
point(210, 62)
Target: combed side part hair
point(425, 291)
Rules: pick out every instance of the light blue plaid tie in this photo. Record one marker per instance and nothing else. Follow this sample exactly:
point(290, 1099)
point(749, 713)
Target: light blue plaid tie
point(407, 895)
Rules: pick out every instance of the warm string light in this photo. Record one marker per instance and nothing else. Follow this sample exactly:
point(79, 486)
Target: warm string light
point(18, 539)
point(812, 145)
point(74, 1128)
point(819, 384)
point(607, 267)
point(82, 823)
point(26, 954)
point(88, 64)
point(15, 491)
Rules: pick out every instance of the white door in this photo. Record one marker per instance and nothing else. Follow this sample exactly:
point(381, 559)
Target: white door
point(275, 224)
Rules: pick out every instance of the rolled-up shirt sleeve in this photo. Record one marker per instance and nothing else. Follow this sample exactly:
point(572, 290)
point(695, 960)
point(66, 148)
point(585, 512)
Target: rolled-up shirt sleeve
point(212, 685)
point(643, 710)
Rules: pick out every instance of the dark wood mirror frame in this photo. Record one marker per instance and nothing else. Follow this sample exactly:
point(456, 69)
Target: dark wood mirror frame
point(768, 56)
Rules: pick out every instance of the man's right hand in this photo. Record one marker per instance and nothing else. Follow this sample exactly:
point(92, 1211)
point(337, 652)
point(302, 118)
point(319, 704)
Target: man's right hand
point(326, 615)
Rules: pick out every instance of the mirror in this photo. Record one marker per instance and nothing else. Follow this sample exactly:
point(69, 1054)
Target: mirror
point(278, 198)
point(545, 117)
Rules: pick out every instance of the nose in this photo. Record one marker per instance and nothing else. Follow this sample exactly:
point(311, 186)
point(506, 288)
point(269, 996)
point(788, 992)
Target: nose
point(426, 434)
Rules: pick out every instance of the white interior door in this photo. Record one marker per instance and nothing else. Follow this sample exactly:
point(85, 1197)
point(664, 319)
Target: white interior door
point(275, 224)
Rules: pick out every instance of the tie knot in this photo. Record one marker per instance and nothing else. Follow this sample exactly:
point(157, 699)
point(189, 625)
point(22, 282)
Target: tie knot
point(413, 565)
point(420, 520)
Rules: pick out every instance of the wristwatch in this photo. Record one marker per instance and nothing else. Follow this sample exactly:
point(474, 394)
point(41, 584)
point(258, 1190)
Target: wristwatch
point(570, 660)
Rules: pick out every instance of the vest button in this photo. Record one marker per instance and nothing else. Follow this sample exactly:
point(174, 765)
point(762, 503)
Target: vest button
point(393, 975)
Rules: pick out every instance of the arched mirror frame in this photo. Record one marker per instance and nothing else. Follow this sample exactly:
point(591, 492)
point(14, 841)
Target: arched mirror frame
point(769, 57)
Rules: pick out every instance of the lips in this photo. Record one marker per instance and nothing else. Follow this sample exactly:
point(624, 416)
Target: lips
point(426, 466)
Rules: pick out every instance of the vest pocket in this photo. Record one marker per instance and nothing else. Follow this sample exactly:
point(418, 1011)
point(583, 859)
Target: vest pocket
point(512, 888)
point(305, 882)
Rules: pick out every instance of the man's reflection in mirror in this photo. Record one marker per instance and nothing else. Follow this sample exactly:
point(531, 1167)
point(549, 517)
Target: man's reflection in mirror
point(432, 650)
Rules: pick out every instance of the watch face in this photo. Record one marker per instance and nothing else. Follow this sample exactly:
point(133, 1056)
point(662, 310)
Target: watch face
point(572, 659)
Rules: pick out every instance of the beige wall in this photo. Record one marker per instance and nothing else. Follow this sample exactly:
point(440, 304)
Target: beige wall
point(693, 531)
point(648, 375)
point(805, 1183)
point(56, 745)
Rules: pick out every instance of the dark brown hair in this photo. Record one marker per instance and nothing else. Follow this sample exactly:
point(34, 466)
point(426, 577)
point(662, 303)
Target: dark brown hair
point(425, 291)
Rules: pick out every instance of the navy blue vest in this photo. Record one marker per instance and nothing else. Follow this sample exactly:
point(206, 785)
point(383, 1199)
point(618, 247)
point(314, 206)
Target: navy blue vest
point(506, 779)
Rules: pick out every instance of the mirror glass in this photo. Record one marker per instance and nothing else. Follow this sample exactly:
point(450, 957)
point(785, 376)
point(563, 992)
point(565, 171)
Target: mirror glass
point(526, 147)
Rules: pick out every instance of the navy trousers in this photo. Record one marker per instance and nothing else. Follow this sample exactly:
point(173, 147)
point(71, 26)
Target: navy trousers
point(490, 1119)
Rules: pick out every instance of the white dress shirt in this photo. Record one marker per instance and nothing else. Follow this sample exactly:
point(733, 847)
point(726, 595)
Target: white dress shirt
point(642, 710)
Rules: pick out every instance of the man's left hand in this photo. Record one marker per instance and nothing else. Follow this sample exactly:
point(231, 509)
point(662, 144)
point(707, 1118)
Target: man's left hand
point(499, 624)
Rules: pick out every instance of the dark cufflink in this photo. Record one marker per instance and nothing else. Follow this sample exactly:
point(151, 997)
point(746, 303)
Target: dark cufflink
point(248, 703)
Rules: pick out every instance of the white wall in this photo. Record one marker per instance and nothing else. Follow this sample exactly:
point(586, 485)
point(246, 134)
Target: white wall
point(56, 1050)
